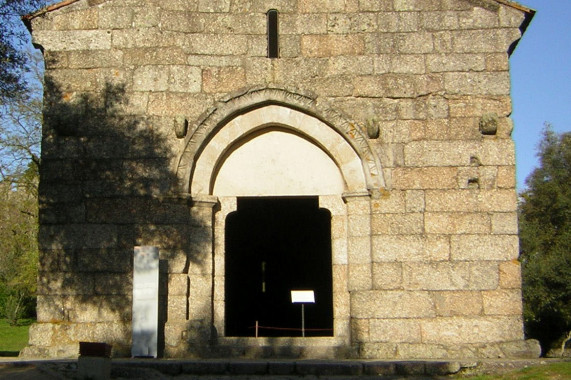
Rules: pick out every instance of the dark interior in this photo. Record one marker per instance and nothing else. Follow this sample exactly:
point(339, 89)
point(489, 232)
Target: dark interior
point(275, 245)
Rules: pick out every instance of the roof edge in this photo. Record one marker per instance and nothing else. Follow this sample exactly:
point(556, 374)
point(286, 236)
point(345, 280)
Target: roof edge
point(30, 16)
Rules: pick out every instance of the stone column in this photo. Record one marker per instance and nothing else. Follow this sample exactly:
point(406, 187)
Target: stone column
point(359, 241)
point(189, 325)
point(201, 270)
point(359, 259)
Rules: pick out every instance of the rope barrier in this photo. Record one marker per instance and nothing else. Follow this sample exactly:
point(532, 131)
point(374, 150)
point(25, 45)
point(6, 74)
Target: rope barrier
point(258, 327)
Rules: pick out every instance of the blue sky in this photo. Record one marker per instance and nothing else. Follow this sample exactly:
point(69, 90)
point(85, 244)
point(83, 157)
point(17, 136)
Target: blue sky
point(541, 80)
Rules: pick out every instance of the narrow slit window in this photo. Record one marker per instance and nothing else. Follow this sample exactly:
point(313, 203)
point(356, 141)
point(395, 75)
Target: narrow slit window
point(273, 42)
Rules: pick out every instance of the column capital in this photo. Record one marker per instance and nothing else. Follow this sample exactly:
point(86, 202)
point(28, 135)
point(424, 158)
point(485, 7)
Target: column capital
point(204, 201)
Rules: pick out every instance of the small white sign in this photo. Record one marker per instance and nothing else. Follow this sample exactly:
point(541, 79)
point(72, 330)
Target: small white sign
point(302, 296)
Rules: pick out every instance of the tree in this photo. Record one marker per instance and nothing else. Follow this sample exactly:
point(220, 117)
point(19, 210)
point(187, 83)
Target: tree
point(13, 39)
point(545, 241)
point(18, 248)
point(21, 130)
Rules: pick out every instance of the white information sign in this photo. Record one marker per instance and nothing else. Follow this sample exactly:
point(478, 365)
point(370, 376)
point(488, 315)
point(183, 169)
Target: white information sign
point(145, 321)
point(302, 296)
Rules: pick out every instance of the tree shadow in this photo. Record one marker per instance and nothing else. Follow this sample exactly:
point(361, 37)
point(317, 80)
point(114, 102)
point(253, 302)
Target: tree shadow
point(105, 187)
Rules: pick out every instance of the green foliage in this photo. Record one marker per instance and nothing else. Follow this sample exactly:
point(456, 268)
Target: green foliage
point(13, 39)
point(545, 241)
point(551, 371)
point(18, 249)
point(13, 338)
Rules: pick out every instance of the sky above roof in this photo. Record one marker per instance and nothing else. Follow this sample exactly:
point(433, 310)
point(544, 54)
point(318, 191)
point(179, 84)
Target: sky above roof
point(541, 80)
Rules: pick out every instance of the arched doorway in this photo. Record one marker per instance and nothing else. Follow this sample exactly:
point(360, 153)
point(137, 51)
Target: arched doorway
point(257, 152)
point(274, 245)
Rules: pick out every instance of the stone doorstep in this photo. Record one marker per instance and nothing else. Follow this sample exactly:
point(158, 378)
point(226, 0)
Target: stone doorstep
point(224, 368)
point(301, 368)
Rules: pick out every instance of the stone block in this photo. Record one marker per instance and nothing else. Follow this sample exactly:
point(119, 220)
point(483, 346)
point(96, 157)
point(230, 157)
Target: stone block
point(358, 225)
point(472, 106)
point(504, 223)
point(115, 17)
point(398, 22)
point(360, 330)
point(178, 284)
point(484, 247)
point(506, 177)
point(395, 330)
point(456, 223)
point(387, 85)
point(73, 39)
point(397, 224)
point(470, 200)
point(219, 80)
point(373, 5)
point(40, 334)
point(299, 24)
point(151, 78)
point(455, 62)
point(169, 104)
point(383, 304)
point(497, 62)
point(212, 44)
point(502, 302)
point(321, 6)
point(457, 303)
point(439, 20)
point(471, 330)
point(88, 59)
point(350, 23)
point(387, 275)
point(510, 274)
point(359, 250)
point(350, 65)
point(82, 19)
point(150, 56)
point(415, 43)
point(410, 248)
point(527, 349)
point(450, 276)
point(379, 351)
point(359, 277)
point(490, 83)
point(424, 178)
point(332, 45)
point(492, 41)
point(146, 17)
point(510, 17)
point(414, 201)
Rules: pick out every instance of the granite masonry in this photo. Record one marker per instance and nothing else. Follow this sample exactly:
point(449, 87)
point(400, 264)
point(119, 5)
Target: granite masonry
point(371, 160)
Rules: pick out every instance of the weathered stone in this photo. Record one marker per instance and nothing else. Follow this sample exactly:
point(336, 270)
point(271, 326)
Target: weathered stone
point(392, 304)
point(389, 95)
point(395, 330)
point(387, 275)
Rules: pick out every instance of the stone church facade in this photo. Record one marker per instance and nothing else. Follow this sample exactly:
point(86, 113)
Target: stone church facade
point(360, 149)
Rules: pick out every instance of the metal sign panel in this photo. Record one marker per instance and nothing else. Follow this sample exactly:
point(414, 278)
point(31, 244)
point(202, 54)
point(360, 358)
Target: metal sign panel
point(302, 296)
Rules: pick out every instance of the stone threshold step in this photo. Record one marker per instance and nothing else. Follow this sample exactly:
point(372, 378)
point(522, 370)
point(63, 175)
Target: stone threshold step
point(290, 368)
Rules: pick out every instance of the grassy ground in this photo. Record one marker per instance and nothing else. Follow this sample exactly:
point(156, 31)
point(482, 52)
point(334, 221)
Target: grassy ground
point(13, 338)
point(552, 371)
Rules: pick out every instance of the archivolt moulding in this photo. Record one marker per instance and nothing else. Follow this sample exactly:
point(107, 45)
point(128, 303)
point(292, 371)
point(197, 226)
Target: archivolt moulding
point(201, 133)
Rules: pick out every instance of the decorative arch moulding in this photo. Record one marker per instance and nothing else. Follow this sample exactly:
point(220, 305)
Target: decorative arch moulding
point(293, 103)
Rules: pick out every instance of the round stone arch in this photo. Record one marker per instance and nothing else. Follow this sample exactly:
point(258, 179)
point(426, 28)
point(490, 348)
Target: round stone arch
point(233, 118)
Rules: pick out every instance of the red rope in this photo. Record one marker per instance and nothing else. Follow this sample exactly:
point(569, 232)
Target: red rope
point(287, 328)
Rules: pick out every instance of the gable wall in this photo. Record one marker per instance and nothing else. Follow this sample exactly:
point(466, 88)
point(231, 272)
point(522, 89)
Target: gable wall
point(441, 234)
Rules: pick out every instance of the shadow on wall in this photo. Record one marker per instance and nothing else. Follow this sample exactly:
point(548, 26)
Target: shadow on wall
point(104, 185)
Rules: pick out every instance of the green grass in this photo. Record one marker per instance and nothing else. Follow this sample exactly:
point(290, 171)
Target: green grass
point(552, 371)
point(13, 338)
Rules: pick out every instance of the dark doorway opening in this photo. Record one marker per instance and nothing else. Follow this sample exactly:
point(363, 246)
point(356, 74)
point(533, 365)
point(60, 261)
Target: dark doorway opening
point(275, 245)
